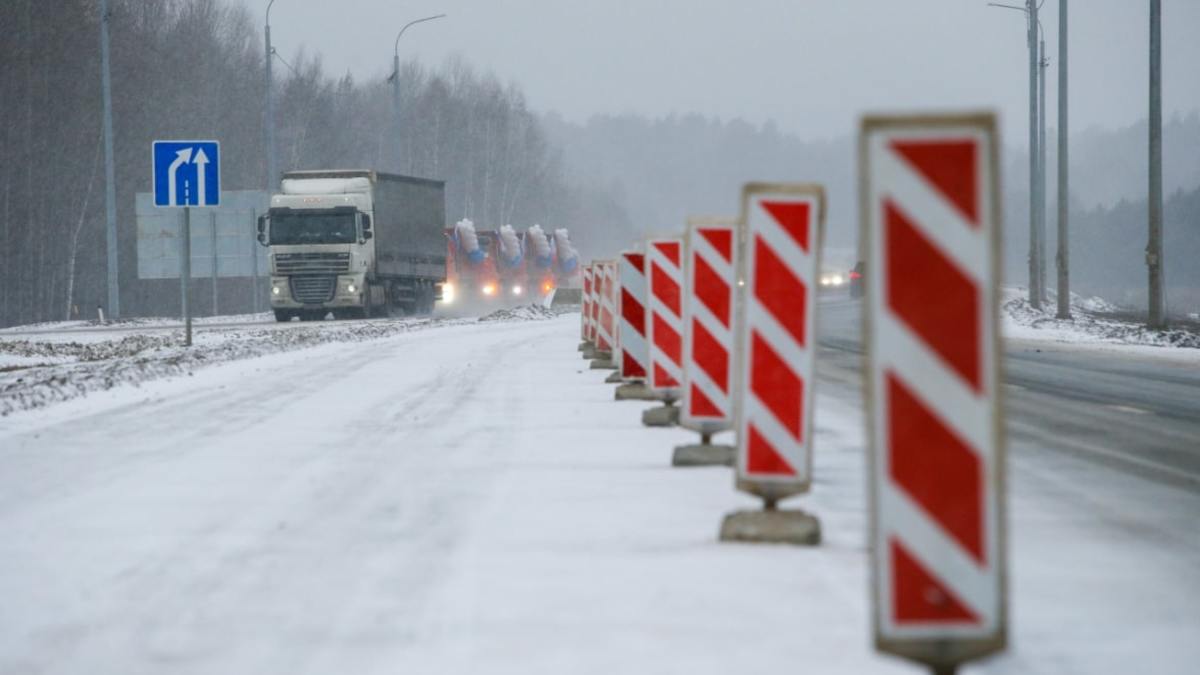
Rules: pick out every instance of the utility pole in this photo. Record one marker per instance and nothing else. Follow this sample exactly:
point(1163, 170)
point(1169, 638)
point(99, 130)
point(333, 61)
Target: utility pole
point(269, 121)
point(1043, 65)
point(395, 78)
point(1154, 249)
point(396, 98)
point(1063, 258)
point(1035, 291)
point(110, 180)
point(1036, 270)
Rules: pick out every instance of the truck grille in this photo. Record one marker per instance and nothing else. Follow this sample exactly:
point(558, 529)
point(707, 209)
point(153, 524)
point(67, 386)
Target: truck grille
point(313, 290)
point(311, 263)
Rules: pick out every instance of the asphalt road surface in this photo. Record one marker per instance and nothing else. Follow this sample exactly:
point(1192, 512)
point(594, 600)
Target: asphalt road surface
point(1131, 411)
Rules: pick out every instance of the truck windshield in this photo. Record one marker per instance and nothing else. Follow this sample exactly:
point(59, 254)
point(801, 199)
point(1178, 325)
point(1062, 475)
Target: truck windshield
point(313, 228)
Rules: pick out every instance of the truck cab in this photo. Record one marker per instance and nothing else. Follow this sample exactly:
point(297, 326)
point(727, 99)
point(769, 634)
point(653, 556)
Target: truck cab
point(353, 243)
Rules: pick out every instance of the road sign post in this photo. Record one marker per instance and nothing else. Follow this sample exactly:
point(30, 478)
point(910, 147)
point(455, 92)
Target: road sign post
point(930, 219)
point(186, 174)
point(707, 405)
point(664, 274)
point(185, 275)
point(775, 352)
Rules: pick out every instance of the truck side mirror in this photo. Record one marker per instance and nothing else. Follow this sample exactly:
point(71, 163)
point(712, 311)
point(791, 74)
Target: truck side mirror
point(262, 230)
point(366, 227)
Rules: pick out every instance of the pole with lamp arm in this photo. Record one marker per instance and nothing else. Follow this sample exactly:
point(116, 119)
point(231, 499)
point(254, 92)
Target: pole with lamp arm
point(269, 122)
point(395, 78)
point(1063, 258)
point(1030, 10)
point(110, 180)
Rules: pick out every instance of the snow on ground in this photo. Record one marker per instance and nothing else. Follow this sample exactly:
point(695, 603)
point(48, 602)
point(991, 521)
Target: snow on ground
point(39, 370)
point(522, 313)
point(1088, 327)
point(91, 327)
point(470, 499)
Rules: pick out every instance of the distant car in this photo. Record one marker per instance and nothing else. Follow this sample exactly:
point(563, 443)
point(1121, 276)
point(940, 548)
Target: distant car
point(856, 280)
point(832, 280)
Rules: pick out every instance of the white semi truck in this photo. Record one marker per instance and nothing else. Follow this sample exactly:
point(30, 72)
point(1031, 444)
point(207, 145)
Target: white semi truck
point(354, 243)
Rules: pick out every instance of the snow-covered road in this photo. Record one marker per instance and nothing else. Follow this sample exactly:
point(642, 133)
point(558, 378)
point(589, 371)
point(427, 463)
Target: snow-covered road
point(469, 499)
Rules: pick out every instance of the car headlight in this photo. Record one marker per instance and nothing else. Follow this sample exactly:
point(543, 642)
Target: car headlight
point(489, 289)
point(516, 290)
point(275, 290)
point(447, 292)
point(837, 280)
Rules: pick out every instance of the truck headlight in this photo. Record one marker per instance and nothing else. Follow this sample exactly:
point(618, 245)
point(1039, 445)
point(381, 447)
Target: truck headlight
point(275, 290)
point(351, 288)
point(447, 292)
point(489, 289)
point(516, 290)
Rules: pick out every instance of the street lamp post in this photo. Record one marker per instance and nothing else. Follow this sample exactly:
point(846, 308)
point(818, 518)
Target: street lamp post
point(1035, 275)
point(269, 121)
point(1157, 319)
point(110, 180)
point(1043, 63)
point(1064, 250)
point(396, 77)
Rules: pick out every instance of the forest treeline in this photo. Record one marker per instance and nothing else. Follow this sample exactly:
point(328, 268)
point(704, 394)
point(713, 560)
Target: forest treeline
point(195, 69)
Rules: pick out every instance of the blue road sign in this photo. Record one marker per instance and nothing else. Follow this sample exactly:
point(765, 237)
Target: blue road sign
point(187, 173)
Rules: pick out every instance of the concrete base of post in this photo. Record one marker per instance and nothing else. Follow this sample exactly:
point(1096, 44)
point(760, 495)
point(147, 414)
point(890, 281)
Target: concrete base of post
point(703, 454)
point(636, 391)
point(603, 364)
point(613, 378)
point(665, 415)
point(589, 352)
point(772, 526)
point(583, 346)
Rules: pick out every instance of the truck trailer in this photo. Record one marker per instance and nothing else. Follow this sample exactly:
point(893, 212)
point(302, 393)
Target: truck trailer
point(354, 243)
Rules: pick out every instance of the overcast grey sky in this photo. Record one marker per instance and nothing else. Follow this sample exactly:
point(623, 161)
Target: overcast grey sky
point(811, 66)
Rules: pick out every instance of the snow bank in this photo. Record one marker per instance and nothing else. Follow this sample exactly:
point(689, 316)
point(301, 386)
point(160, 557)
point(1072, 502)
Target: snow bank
point(44, 372)
point(1022, 321)
point(522, 313)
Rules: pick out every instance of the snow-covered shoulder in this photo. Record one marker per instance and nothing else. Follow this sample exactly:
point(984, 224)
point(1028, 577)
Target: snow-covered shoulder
point(1092, 326)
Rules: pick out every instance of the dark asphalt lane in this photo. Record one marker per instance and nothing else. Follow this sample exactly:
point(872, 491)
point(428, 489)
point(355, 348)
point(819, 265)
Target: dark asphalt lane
point(1137, 412)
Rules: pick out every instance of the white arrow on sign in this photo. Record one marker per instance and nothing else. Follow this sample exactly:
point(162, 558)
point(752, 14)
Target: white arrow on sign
point(181, 157)
point(201, 162)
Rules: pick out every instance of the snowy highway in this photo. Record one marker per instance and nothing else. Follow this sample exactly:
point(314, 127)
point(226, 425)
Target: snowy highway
point(467, 498)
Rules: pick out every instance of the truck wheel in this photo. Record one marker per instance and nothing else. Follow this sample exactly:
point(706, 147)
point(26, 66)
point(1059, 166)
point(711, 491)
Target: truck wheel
point(283, 316)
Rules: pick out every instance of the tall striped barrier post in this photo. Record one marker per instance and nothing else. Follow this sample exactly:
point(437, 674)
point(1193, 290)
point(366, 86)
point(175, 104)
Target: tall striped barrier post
point(593, 311)
point(585, 311)
point(931, 228)
point(633, 351)
point(606, 326)
point(664, 275)
point(775, 354)
point(710, 247)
